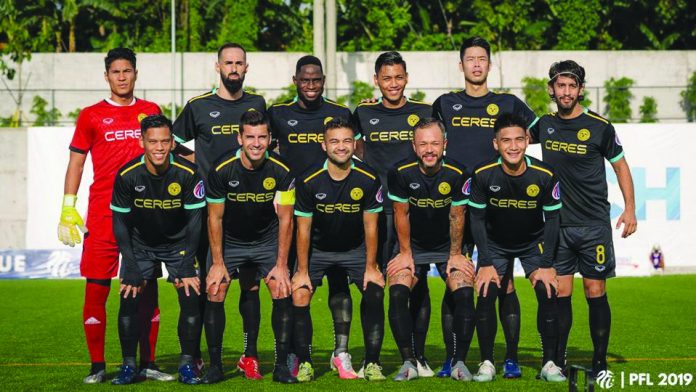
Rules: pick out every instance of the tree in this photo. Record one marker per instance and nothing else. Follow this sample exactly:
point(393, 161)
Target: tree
point(577, 22)
point(688, 99)
point(535, 94)
point(618, 99)
point(374, 25)
point(648, 110)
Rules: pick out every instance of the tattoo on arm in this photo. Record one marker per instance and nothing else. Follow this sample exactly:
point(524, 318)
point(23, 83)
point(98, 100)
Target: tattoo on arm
point(456, 218)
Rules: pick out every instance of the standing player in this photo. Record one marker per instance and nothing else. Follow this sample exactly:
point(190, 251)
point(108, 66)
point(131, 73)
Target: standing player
point(576, 142)
point(516, 202)
point(298, 128)
point(429, 202)
point(386, 127)
point(250, 196)
point(213, 121)
point(337, 211)
point(469, 116)
point(110, 131)
point(157, 201)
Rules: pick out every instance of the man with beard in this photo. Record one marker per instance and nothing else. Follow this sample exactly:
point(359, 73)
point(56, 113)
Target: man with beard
point(576, 141)
point(213, 121)
point(298, 126)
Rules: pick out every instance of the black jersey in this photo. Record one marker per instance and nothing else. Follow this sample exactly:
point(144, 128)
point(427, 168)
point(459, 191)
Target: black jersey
point(337, 207)
point(469, 122)
point(299, 132)
point(576, 148)
point(156, 205)
point(515, 205)
point(429, 199)
point(213, 122)
point(250, 217)
point(387, 135)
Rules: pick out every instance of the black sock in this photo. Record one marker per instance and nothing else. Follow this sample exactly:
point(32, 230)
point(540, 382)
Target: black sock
point(464, 321)
point(202, 302)
point(148, 303)
point(509, 313)
point(250, 309)
point(372, 318)
point(486, 321)
point(565, 322)
point(547, 322)
point(302, 333)
point(419, 305)
point(341, 305)
point(447, 323)
point(400, 321)
point(129, 328)
point(190, 324)
point(97, 367)
point(214, 322)
point(600, 327)
point(281, 320)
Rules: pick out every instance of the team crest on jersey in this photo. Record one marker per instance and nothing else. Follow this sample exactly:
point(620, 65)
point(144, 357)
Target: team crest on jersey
point(444, 188)
point(320, 196)
point(233, 184)
point(583, 134)
point(141, 116)
point(199, 190)
point(356, 194)
point(379, 196)
point(494, 188)
point(214, 114)
point(412, 119)
point(292, 123)
point(457, 107)
point(617, 140)
point(174, 188)
point(550, 130)
point(269, 183)
point(492, 109)
point(326, 120)
point(108, 120)
point(556, 193)
point(374, 121)
point(414, 185)
point(140, 188)
point(533, 190)
point(466, 189)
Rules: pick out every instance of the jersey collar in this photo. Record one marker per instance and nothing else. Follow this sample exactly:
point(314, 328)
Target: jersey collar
point(326, 164)
point(500, 160)
point(238, 154)
point(113, 103)
point(171, 158)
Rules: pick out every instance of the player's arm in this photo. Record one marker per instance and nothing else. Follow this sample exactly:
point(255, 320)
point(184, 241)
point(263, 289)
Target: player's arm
point(285, 202)
point(359, 143)
point(628, 217)
point(217, 274)
point(372, 272)
point(486, 271)
point(402, 225)
point(301, 277)
point(70, 219)
point(458, 261)
point(184, 152)
point(121, 200)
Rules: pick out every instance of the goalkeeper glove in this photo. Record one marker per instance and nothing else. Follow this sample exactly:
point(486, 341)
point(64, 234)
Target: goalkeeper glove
point(70, 221)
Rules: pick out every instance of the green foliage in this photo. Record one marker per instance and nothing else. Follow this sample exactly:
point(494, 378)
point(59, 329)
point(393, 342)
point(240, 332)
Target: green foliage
point(167, 110)
point(648, 110)
point(288, 93)
point(417, 95)
point(374, 24)
point(359, 91)
point(578, 22)
point(536, 94)
point(44, 116)
point(688, 99)
point(74, 115)
point(617, 99)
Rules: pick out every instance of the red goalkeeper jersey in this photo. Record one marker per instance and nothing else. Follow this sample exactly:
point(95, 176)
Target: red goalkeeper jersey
point(110, 133)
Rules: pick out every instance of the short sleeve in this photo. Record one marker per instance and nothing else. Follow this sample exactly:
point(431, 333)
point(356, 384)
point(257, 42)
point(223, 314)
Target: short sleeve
point(397, 187)
point(285, 191)
point(551, 199)
point(355, 120)
point(534, 131)
point(374, 198)
point(215, 193)
point(304, 204)
point(524, 111)
point(611, 145)
point(120, 197)
point(477, 198)
point(195, 193)
point(83, 138)
point(437, 109)
point(185, 125)
point(462, 190)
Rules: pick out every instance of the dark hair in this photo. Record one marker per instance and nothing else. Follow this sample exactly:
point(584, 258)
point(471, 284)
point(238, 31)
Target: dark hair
point(567, 68)
point(253, 118)
point(428, 121)
point(154, 121)
point(119, 54)
point(339, 122)
point(229, 45)
point(308, 60)
point(389, 58)
point(474, 41)
point(507, 120)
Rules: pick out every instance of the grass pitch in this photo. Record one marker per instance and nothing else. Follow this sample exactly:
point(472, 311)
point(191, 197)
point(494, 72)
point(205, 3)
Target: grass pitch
point(42, 340)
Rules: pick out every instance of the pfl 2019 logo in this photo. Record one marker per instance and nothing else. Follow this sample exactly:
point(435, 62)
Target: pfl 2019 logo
point(605, 379)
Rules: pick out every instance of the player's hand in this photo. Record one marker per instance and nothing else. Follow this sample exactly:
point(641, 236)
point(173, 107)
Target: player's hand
point(369, 100)
point(484, 277)
point(217, 275)
point(401, 262)
point(373, 275)
point(301, 280)
point(546, 276)
point(191, 283)
point(461, 263)
point(628, 218)
point(129, 289)
point(281, 275)
point(70, 222)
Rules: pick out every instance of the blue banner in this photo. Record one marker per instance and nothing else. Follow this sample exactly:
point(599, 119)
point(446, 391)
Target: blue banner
point(40, 264)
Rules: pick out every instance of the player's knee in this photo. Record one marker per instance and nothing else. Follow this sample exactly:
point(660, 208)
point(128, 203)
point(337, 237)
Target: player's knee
point(301, 297)
point(565, 286)
point(594, 288)
point(542, 293)
point(220, 295)
point(402, 277)
point(457, 279)
point(373, 296)
point(510, 286)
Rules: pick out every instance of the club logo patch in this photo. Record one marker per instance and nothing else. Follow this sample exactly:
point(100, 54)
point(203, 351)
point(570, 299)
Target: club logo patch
point(320, 196)
point(599, 268)
point(414, 185)
point(492, 109)
point(108, 120)
point(533, 190)
point(326, 120)
point(583, 134)
point(550, 130)
point(356, 194)
point(379, 196)
point(199, 190)
point(214, 114)
point(292, 123)
point(140, 188)
point(141, 116)
point(413, 119)
point(233, 184)
point(556, 193)
point(174, 188)
point(466, 189)
point(444, 188)
point(457, 107)
point(494, 188)
point(269, 183)
point(374, 121)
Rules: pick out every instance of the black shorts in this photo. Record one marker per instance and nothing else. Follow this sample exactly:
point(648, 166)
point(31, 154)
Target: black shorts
point(150, 263)
point(263, 257)
point(387, 240)
point(422, 270)
point(351, 262)
point(504, 259)
point(588, 250)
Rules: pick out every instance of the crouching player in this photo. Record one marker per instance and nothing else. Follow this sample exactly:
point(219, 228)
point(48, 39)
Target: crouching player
point(515, 203)
point(429, 198)
point(157, 201)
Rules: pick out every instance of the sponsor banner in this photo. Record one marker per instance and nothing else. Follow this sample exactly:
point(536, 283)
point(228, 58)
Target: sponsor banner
point(36, 264)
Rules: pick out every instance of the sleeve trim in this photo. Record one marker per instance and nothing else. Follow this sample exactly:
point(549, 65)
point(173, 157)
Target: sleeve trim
point(553, 207)
point(215, 201)
point(194, 206)
point(476, 205)
point(303, 214)
point(77, 150)
point(375, 210)
point(616, 158)
point(179, 140)
point(119, 209)
point(396, 198)
point(460, 202)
